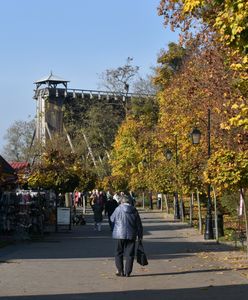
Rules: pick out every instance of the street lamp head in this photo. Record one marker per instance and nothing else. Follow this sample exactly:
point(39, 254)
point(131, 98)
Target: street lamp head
point(195, 136)
point(168, 154)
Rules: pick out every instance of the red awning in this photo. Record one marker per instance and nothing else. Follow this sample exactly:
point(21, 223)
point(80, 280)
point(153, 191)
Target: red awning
point(19, 165)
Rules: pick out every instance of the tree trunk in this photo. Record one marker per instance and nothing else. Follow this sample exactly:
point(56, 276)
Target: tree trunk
point(56, 213)
point(84, 204)
point(191, 201)
point(182, 208)
point(199, 211)
point(150, 200)
point(242, 191)
point(143, 200)
point(166, 204)
point(216, 217)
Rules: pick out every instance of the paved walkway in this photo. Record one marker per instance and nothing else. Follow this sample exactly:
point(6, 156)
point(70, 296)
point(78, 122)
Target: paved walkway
point(80, 265)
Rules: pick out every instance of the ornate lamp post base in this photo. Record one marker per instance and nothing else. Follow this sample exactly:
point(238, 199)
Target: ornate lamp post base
point(150, 200)
point(177, 208)
point(209, 233)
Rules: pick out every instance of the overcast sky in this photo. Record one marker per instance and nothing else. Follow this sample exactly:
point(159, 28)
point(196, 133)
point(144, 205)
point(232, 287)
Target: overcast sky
point(77, 40)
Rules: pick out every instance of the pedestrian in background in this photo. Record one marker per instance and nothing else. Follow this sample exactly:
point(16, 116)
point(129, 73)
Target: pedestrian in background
point(127, 227)
point(110, 207)
point(97, 207)
point(97, 210)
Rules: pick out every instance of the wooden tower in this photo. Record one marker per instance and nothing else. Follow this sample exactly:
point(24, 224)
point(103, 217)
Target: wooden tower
point(49, 94)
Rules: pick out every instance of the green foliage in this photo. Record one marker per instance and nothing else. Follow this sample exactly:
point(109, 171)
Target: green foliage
point(145, 108)
point(170, 62)
point(95, 120)
point(102, 122)
point(229, 201)
point(87, 178)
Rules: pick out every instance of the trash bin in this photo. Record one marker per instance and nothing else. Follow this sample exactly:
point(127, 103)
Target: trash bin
point(220, 225)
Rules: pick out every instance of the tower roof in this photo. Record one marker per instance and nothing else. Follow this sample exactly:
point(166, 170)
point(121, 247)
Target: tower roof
point(51, 78)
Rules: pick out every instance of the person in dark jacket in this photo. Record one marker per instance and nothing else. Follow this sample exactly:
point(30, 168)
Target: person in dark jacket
point(127, 227)
point(110, 207)
point(97, 207)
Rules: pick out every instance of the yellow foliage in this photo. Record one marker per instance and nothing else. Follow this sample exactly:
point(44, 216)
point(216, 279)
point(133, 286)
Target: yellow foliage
point(190, 5)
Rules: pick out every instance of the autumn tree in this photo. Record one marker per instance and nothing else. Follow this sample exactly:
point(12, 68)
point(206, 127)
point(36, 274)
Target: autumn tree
point(19, 138)
point(135, 141)
point(169, 62)
point(61, 170)
point(93, 123)
point(228, 20)
point(228, 171)
point(54, 171)
point(127, 154)
point(119, 80)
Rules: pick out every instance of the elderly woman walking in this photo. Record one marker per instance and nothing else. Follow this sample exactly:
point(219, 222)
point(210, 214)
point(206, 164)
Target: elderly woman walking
point(127, 227)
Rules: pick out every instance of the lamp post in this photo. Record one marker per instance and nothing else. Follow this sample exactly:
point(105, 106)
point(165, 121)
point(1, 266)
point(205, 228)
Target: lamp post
point(169, 155)
point(196, 135)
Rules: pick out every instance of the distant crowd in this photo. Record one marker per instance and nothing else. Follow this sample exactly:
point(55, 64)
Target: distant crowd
point(103, 202)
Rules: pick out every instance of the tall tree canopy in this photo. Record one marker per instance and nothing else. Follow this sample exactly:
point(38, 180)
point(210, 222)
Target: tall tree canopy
point(19, 138)
point(229, 18)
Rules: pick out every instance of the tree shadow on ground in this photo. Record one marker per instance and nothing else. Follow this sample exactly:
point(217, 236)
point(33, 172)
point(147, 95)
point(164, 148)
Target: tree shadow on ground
point(86, 243)
point(230, 292)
